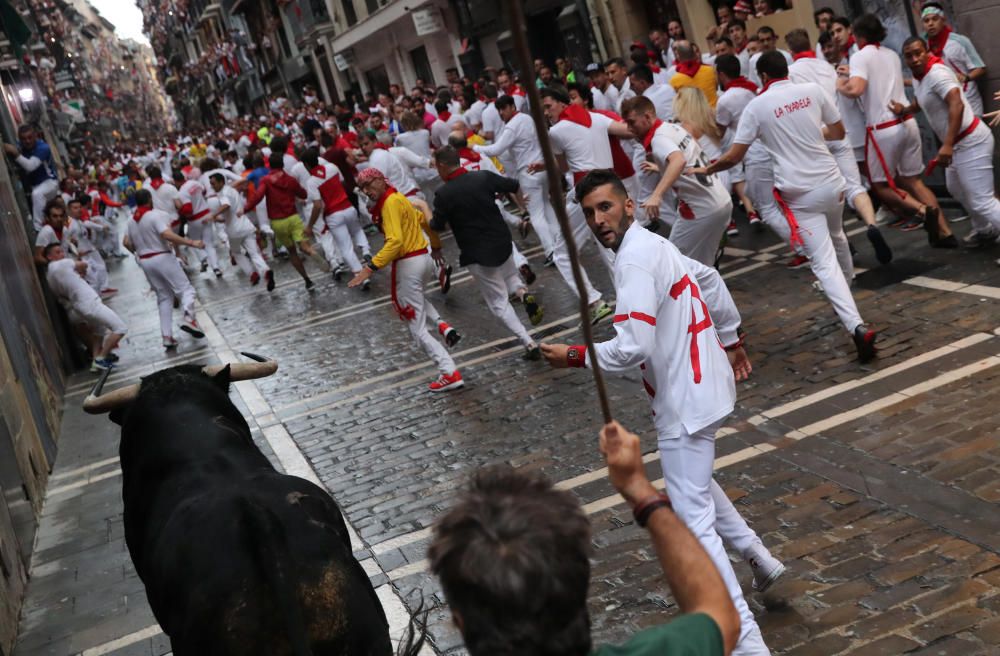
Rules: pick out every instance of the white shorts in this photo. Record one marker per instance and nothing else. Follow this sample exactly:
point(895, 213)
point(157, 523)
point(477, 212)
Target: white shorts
point(900, 150)
point(99, 317)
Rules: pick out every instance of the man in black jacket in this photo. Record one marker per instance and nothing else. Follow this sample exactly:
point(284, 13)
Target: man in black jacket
point(466, 203)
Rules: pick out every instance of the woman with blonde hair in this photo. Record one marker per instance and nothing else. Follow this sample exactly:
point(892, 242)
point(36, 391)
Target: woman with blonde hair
point(691, 110)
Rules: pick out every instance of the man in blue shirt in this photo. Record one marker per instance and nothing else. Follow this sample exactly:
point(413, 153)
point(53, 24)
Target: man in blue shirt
point(34, 157)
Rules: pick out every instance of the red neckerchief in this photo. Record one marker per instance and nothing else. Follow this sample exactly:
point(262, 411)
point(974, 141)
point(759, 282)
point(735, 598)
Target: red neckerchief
point(741, 83)
point(656, 69)
point(514, 90)
point(469, 154)
point(851, 42)
point(576, 114)
point(647, 140)
point(689, 68)
point(156, 183)
point(140, 212)
point(456, 173)
point(319, 171)
point(444, 116)
point(770, 82)
point(739, 51)
point(378, 145)
point(931, 60)
point(805, 54)
point(58, 231)
point(937, 43)
point(376, 211)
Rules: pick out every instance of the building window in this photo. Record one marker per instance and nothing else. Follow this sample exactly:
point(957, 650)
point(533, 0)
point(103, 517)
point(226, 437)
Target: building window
point(350, 15)
point(422, 65)
point(372, 5)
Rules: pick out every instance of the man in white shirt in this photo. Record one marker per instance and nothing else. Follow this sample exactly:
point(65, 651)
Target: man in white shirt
point(443, 125)
point(79, 233)
point(661, 95)
point(599, 84)
point(704, 206)
point(192, 205)
point(396, 172)
point(895, 161)
point(53, 230)
point(807, 67)
point(789, 119)
point(150, 238)
point(966, 142)
point(100, 327)
point(620, 88)
point(956, 51)
point(678, 325)
point(243, 247)
point(492, 124)
point(768, 41)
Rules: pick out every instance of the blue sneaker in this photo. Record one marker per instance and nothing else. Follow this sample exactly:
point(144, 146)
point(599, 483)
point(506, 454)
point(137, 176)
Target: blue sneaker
point(101, 364)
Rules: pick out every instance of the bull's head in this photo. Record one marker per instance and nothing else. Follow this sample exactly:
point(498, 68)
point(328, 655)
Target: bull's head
point(97, 403)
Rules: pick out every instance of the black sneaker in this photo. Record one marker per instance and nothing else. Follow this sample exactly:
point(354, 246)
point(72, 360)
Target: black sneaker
point(946, 242)
point(270, 280)
point(451, 336)
point(549, 260)
point(931, 224)
point(533, 354)
point(217, 272)
point(309, 285)
point(339, 272)
point(527, 274)
point(882, 251)
point(864, 342)
point(204, 267)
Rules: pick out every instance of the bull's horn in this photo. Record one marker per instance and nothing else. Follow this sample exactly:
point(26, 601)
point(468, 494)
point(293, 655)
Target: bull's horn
point(245, 370)
point(96, 403)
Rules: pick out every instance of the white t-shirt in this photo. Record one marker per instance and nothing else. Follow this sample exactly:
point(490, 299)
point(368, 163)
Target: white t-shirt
point(961, 56)
point(600, 100)
point(145, 233)
point(418, 141)
point(586, 149)
point(492, 121)
point(662, 96)
point(192, 191)
point(474, 114)
point(788, 118)
point(752, 65)
point(47, 235)
point(728, 110)
point(519, 140)
point(703, 194)
point(852, 113)
point(238, 226)
point(78, 232)
point(880, 67)
point(68, 285)
point(931, 93)
point(396, 172)
point(163, 198)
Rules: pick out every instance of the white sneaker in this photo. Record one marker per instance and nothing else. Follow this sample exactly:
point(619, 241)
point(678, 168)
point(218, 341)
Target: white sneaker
point(766, 568)
point(883, 215)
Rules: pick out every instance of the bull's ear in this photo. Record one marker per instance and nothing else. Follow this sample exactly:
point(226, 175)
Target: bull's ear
point(222, 378)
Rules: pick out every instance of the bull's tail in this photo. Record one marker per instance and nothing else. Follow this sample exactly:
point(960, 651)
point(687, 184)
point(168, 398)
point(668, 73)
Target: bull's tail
point(273, 559)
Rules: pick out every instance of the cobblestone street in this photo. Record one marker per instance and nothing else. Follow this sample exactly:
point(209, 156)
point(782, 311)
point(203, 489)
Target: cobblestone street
point(877, 485)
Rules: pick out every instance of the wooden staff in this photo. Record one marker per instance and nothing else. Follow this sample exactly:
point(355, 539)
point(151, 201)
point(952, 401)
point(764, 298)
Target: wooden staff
point(556, 196)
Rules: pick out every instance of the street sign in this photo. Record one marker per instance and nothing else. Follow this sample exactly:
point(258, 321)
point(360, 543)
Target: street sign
point(344, 60)
point(427, 21)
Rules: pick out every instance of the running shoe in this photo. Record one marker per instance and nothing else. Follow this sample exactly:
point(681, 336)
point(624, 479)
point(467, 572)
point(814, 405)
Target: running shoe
point(931, 215)
point(113, 357)
point(549, 260)
point(913, 224)
point(451, 336)
point(766, 568)
point(447, 382)
point(732, 230)
point(533, 309)
point(882, 251)
point(600, 310)
point(101, 364)
point(269, 276)
point(444, 278)
point(797, 262)
point(191, 327)
point(979, 239)
point(169, 343)
point(755, 221)
point(899, 222)
point(232, 260)
point(959, 219)
point(204, 267)
point(533, 353)
point(526, 273)
point(864, 342)
point(339, 272)
point(217, 272)
point(254, 279)
point(366, 285)
point(309, 285)
point(946, 242)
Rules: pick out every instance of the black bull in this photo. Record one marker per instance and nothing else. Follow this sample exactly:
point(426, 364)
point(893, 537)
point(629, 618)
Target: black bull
point(236, 557)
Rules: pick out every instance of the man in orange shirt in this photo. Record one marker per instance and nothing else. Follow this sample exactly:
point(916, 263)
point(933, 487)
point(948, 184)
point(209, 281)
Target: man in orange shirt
point(692, 73)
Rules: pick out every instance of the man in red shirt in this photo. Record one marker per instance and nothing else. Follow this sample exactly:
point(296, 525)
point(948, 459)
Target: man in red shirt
point(281, 190)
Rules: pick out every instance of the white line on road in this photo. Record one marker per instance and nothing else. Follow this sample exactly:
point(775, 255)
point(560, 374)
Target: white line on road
point(951, 286)
point(124, 641)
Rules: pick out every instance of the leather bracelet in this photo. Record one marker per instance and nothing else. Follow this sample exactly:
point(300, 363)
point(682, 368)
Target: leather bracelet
point(645, 508)
point(371, 267)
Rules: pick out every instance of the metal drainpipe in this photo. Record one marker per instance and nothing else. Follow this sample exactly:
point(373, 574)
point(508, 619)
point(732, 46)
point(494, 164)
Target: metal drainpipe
point(595, 25)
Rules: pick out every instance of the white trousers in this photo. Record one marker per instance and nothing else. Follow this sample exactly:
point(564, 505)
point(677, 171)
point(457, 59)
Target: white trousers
point(97, 270)
point(322, 236)
point(820, 217)
point(535, 188)
point(167, 279)
point(202, 230)
point(99, 317)
point(699, 238)
point(42, 193)
point(760, 189)
point(494, 283)
point(345, 227)
point(246, 252)
point(844, 154)
point(408, 277)
point(582, 235)
point(687, 462)
point(970, 180)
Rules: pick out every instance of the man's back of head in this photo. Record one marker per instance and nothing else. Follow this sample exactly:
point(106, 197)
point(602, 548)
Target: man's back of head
point(512, 558)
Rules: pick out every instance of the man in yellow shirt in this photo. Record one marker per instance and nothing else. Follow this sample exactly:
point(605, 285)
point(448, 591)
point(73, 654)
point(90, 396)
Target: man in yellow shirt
point(691, 72)
point(406, 254)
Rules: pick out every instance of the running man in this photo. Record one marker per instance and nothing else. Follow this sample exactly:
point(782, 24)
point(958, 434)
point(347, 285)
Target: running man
point(243, 247)
point(411, 266)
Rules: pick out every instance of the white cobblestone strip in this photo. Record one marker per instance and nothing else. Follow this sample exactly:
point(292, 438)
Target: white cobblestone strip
point(124, 641)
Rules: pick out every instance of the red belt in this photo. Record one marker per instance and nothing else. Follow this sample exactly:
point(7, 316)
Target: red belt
point(793, 225)
point(146, 256)
point(422, 251)
point(412, 192)
point(889, 124)
point(198, 215)
point(579, 175)
point(969, 130)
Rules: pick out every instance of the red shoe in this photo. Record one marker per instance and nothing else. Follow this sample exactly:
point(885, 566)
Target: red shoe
point(797, 262)
point(755, 221)
point(447, 382)
point(254, 278)
point(451, 336)
point(732, 230)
